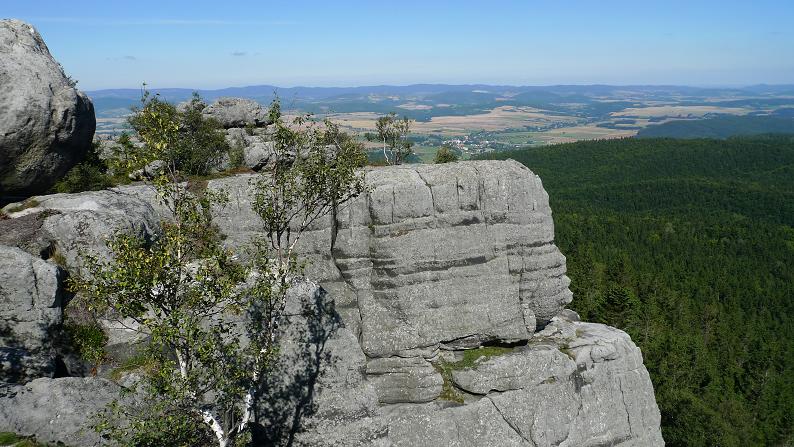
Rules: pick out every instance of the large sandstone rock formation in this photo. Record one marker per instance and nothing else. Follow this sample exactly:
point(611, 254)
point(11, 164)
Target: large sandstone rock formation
point(237, 112)
point(46, 124)
point(433, 261)
point(432, 256)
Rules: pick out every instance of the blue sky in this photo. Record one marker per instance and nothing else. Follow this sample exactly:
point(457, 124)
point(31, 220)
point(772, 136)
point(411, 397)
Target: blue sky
point(213, 44)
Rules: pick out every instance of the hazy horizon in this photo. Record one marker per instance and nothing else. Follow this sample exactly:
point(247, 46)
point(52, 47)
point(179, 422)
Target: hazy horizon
point(473, 84)
point(204, 45)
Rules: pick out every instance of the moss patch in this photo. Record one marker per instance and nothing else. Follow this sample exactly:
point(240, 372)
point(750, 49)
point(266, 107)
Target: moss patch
point(30, 203)
point(470, 359)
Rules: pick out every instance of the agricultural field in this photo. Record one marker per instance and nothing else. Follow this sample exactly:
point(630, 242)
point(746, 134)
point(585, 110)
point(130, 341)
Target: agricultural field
point(480, 119)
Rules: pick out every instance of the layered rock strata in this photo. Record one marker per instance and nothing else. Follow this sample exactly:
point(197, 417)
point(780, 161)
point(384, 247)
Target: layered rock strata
point(432, 263)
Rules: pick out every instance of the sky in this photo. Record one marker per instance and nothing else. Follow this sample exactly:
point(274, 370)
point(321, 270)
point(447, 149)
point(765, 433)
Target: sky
point(215, 44)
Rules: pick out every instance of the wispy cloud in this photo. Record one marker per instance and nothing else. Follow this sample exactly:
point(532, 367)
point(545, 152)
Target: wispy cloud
point(131, 58)
point(239, 53)
point(159, 22)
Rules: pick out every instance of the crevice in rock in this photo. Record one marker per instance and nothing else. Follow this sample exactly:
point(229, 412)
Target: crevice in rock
point(625, 407)
point(509, 424)
point(430, 188)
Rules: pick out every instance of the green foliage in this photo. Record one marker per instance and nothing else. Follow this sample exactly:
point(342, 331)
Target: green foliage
point(157, 423)
point(685, 245)
point(14, 440)
point(88, 339)
point(471, 358)
point(211, 321)
point(89, 175)
point(141, 361)
point(723, 126)
point(393, 133)
point(29, 203)
point(445, 155)
point(237, 154)
point(188, 142)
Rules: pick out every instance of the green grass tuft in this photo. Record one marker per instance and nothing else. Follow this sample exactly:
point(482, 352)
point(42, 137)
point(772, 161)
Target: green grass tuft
point(470, 359)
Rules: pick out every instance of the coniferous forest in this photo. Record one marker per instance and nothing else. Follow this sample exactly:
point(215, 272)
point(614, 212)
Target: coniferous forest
point(687, 245)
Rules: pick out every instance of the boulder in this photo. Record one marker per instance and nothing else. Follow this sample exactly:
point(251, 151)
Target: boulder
point(596, 393)
point(46, 124)
point(237, 112)
point(56, 410)
point(257, 152)
point(73, 225)
point(32, 297)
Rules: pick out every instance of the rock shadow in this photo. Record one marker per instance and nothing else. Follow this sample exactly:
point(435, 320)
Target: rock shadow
point(289, 391)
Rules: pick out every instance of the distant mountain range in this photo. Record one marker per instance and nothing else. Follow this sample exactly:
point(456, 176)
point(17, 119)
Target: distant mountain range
point(320, 93)
point(424, 101)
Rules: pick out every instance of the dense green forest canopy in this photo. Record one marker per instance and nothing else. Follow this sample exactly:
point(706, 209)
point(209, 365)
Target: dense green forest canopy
point(688, 245)
point(722, 126)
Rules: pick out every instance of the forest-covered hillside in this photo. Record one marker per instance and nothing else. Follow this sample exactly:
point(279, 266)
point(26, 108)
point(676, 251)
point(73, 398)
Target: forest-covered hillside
point(723, 126)
point(688, 245)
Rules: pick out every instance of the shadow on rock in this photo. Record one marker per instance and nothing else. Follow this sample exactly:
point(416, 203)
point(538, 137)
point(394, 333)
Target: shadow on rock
point(288, 393)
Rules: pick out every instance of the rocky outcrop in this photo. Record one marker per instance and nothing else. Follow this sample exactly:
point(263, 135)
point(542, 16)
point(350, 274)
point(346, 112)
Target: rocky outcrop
point(257, 151)
point(237, 112)
point(56, 410)
point(73, 225)
point(32, 296)
point(572, 384)
point(433, 256)
point(46, 124)
point(431, 262)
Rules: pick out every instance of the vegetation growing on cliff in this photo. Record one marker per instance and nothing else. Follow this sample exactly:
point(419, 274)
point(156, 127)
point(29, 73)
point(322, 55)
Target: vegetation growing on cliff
point(212, 321)
point(688, 245)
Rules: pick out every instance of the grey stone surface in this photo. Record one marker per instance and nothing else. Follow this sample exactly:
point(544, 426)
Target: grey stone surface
point(31, 301)
point(237, 112)
point(473, 425)
point(149, 171)
point(399, 379)
point(525, 367)
point(597, 394)
point(430, 261)
point(449, 255)
point(258, 151)
point(56, 410)
point(76, 224)
point(46, 124)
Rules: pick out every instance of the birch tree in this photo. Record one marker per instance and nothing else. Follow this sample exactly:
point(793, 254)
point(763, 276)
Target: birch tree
point(211, 321)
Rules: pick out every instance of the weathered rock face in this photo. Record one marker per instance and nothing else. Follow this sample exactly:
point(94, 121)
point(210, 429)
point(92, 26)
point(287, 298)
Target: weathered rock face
point(73, 225)
point(237, 112)
point(46, 125)
point(257, 151)
point(430, 262)
point(433, 256)
point(31, 301)
point(56, 410)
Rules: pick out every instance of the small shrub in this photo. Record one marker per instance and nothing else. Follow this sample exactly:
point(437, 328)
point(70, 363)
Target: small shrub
point(196, 144)
point(89, 175)
point(236, 154)
point(249, 129)
point(88, 340)
point(445, 155)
